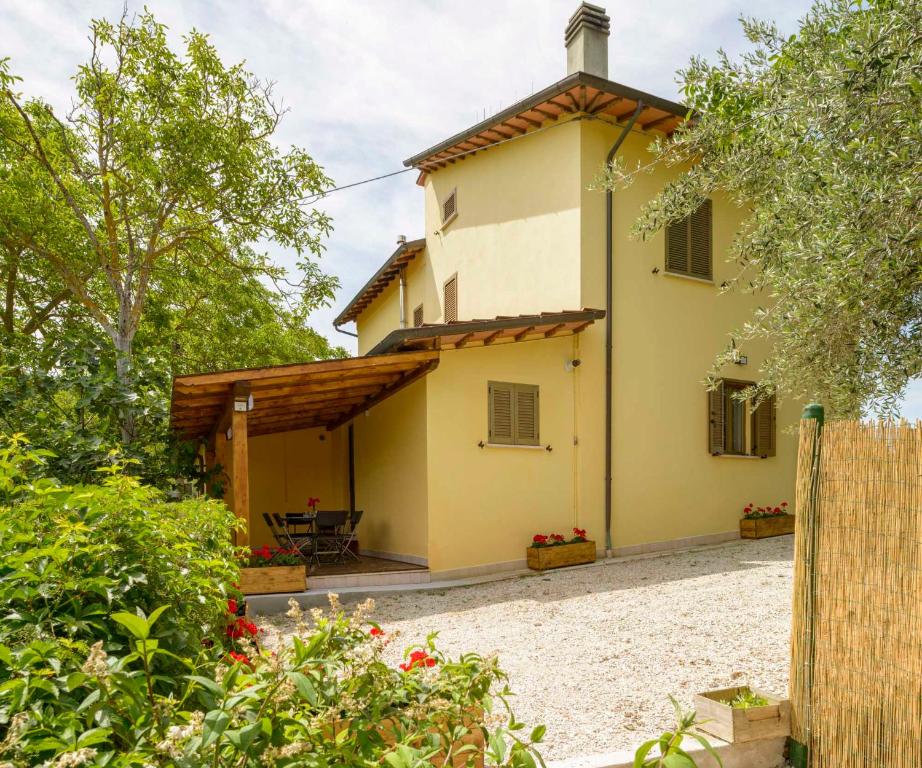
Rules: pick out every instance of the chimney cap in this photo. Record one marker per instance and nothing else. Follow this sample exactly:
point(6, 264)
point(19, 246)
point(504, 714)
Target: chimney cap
point(401, 239)
point(589, 16)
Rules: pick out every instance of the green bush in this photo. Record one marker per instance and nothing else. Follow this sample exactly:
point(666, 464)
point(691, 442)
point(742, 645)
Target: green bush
point(71, 556)
point(119, 647)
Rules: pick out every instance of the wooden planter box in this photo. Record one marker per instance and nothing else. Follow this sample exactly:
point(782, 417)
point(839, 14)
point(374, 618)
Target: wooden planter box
point(272, 579)
point(560, 555)
point(739, 724)
point(459, 760)
point(764, 527)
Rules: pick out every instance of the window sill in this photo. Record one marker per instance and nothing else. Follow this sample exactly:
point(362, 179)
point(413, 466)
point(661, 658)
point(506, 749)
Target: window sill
point(702, 280)
point(515, 447)
point(736, 456)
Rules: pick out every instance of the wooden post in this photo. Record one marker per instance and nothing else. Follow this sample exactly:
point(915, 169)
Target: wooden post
point(351, 468)
point(800, 745)
point(231, 450)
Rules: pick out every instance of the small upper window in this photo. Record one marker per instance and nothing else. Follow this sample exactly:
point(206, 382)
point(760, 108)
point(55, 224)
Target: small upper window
point(450, 207)
point(451, 299)
point(735, 428)
point(418, 316)
point(513, 413)
point(689, 244)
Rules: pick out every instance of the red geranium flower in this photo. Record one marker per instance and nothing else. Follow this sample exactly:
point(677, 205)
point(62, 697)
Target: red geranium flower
point(240, 658)
point(539, 539)
point(418, 659)
point(784, 503)
point(376, 632)
point(579, 533)
point(232, 606)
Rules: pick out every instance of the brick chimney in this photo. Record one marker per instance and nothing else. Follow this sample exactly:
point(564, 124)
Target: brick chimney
point(586, 39)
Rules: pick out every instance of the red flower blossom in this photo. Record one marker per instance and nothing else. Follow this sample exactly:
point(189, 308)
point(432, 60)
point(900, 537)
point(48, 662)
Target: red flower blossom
point(556, 537)
point(312, 502)
point(232, 606)
point(240, 658)
point(784, 503)
point(418, 659)
point(376, 632)
point(539, 539)
point(777, 510)
point(580, 533)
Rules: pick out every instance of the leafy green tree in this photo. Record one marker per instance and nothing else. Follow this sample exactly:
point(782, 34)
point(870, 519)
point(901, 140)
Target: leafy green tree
point(154, 190)
point(818, 137)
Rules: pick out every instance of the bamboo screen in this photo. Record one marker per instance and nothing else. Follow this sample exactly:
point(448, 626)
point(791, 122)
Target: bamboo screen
point(856, 660)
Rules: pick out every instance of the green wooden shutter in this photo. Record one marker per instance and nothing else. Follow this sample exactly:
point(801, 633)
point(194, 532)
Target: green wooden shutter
point(716, 420)
point(526, 414)
point(763, 428)
point(700, 242)
point(501, 413)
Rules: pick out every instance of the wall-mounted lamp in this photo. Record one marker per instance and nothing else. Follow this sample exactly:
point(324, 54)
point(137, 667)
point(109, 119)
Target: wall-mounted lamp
point(655, 270)
point(571, 364)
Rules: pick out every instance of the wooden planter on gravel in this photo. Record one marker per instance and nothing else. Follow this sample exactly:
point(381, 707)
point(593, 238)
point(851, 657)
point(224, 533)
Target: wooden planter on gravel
point(272, 579)
point(739, 724)
point(765, 527)
point(560, 555)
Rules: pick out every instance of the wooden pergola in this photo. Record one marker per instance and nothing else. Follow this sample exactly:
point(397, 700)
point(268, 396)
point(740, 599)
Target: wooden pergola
point(225, 408)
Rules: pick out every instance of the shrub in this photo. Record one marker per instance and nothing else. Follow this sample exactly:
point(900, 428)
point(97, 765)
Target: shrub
point(71, 556)
point(119, 647)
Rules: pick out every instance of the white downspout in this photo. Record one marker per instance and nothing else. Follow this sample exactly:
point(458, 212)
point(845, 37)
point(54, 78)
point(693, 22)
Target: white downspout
point(403, 297)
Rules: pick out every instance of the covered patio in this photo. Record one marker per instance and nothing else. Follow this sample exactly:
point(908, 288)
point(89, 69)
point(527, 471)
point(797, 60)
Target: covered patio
point(308, 405)
point(271, 438)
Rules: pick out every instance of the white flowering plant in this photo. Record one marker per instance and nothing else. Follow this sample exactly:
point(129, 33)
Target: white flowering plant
point(88, 677)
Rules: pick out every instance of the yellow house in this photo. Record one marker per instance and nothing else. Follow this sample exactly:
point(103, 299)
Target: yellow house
point(525, 366)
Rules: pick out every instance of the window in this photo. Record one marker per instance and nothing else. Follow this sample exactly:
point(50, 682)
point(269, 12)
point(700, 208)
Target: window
point(450, 208)
point(418, 316)
point(451, 299)
point(734, 427)
point(513, 413)
point(689, 245)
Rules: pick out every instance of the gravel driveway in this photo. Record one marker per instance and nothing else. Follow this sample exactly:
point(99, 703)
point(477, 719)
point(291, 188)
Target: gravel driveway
point(595, 652)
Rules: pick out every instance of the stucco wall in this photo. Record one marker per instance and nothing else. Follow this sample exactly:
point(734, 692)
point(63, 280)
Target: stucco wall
point(667, 332)
point(390, 474)
point(287, 468)
point(514, 243)
point(486, 503)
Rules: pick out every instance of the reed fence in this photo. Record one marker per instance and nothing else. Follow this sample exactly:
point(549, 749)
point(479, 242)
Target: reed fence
point(856, 657)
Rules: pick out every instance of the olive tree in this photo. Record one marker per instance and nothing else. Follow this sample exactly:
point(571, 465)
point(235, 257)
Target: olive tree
point(818, 137)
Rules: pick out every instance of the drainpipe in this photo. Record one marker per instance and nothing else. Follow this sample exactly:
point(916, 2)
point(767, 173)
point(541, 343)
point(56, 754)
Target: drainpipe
point(608, 327)
point(403, 297)
point(348, 333)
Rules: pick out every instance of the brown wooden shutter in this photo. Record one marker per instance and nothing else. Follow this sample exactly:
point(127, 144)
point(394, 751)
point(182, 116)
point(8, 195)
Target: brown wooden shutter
point(418, 316)
point(699, 239)
point(689, 244)
point(450, 207)
point(501, 413)
point(677, 247)
point(526, 414)
point(763, 428)
point(716, 420)
point(451, 300)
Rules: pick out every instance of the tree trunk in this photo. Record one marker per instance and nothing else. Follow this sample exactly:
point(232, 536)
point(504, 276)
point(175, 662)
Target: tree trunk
point(123, 339)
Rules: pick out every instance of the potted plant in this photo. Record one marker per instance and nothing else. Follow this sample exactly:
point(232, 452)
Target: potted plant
point(272, 570)
point(762, 522)
point(743, 714)
point(554, 551)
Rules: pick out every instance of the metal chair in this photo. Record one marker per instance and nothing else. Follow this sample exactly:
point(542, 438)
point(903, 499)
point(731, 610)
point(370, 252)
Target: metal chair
point(279, 535)
point(328, 528)
point(355, 517)
point(297, 542)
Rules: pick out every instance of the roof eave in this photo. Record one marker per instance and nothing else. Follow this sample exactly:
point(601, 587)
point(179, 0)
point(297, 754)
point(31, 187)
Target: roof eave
point(577, 78)
point(414, 245)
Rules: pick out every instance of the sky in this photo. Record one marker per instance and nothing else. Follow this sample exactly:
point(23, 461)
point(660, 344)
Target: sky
point(368, 84)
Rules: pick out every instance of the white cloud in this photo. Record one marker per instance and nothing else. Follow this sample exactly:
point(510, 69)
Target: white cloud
point(371, 83)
